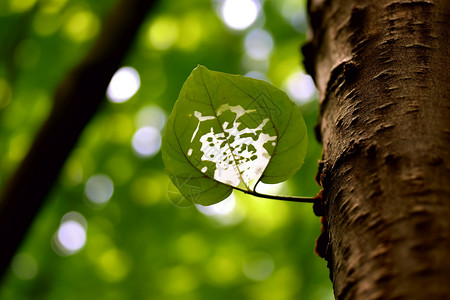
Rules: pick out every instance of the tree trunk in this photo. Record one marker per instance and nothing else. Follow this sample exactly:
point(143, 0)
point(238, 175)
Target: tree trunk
point(382, 69)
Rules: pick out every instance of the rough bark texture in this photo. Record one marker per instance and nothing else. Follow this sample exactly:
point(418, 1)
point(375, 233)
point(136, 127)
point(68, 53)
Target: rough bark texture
point(382, 69)
point(76, 100)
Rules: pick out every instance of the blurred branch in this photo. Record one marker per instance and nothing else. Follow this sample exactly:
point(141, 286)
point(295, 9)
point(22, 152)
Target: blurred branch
point(76, 100)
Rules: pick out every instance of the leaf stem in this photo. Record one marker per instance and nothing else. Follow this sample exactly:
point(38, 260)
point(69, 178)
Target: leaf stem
point(275, 197)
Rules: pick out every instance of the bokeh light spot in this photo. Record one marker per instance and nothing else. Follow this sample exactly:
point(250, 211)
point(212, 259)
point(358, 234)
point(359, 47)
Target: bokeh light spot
point(146, 141)
point(271, 189)
point(300, 87)
point(81, 25)
point(18, 147)
point(24, 266)
point(152, 116)
point(191, 31)
point(99, 188)
point(71, 235)
point(224, 213)
point(222, 269)
point(122, 127)
point(258, 266)
point(219, 209)
point(258, 44)
point(52, 6)
point(239, 14)
point(163, 33)
point(148, 190)
point(73, 171)
point(18, 6)
point(257, 75)
point(263, 217)
point(114, 265)
point(192, 247)
point(178, 280)
point(250, 64)
point(124, 84)
point(294, 12)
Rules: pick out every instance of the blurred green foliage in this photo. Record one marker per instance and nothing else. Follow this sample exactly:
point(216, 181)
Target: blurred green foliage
point(138, 244)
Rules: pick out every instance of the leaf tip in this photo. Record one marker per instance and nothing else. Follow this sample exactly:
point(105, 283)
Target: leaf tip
point(200, 67)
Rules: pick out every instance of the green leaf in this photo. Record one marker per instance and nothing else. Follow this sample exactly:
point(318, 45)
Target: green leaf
point(229, 131)
point(176, 197)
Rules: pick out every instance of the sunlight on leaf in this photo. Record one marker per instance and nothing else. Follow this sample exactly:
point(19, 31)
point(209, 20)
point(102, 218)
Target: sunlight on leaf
point(229, 131)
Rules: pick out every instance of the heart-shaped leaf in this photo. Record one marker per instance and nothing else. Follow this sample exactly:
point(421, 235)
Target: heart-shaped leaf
point(229, 131)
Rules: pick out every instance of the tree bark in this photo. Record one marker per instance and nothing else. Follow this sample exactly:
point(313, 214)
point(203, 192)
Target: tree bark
point(382, 70)
point(77, 99)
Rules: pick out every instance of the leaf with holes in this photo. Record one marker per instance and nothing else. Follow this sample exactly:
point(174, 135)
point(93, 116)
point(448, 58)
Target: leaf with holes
point(230, 132)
